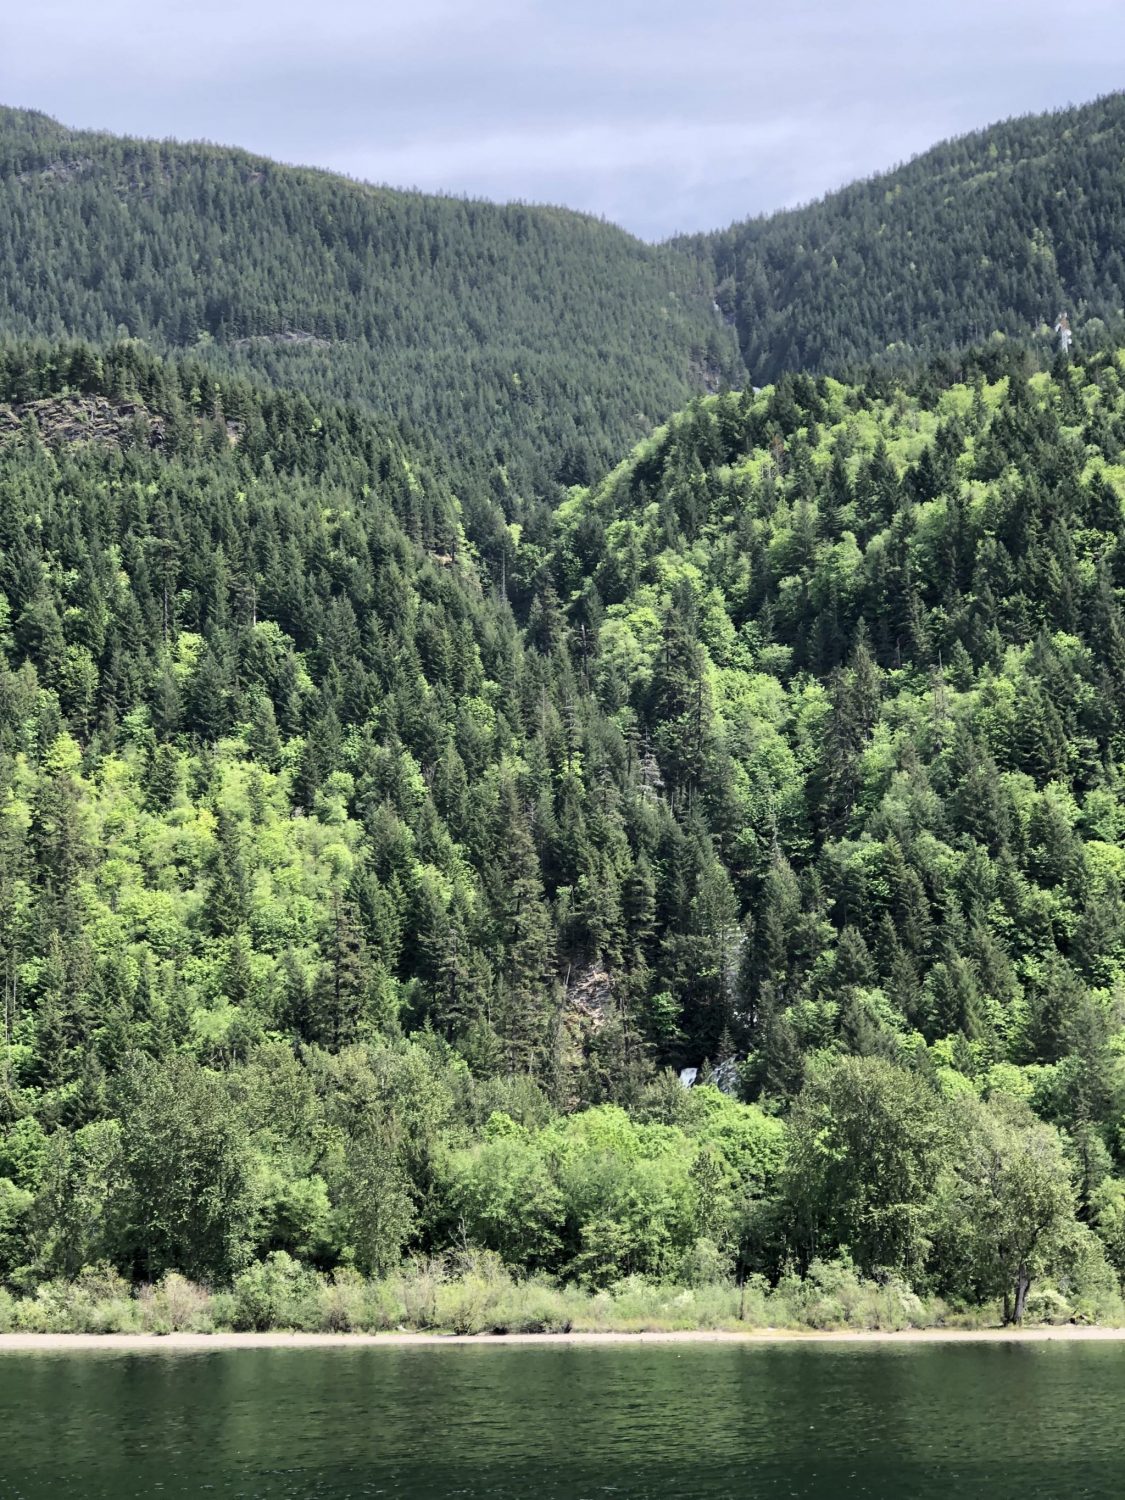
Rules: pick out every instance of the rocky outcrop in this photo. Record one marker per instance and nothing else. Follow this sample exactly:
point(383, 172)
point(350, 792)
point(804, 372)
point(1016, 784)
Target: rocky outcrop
point(84, 419)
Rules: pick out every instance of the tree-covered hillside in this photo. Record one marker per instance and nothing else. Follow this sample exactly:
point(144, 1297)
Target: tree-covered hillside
point(993, 232)
point(869, 644)
point(344, 913)
point(869, 639)
point(534, 344)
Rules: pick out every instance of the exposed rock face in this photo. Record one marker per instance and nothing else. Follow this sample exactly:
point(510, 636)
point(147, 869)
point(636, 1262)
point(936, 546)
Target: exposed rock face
point(708, 374)
point(59, 171)
point(84, 419)
point(588, 1004)
point(589, 994)
point(286, 336)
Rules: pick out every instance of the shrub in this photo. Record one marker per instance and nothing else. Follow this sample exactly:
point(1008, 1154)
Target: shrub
point(178, 1305)
point(478, 1296)
point(1045, 1304)
point(98, 1300)
point(341, 1303)
point(418, 1284)
point(277, 1292)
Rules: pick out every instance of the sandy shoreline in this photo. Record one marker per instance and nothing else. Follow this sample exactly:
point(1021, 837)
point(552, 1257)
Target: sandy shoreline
point(138, 1343)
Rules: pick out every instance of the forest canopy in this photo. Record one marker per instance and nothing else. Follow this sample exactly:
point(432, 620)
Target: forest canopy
point(424, 844)
point(349, 908)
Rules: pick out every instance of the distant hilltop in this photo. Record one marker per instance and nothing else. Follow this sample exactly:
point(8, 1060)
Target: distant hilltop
point(533, 344)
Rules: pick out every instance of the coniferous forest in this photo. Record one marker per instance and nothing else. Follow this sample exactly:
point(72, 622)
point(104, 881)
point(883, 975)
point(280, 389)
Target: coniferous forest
point(990, 233)
point(396, 799)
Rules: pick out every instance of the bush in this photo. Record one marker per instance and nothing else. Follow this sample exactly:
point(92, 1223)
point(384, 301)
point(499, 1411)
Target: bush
point(1045, 1304)
point(278, 1292)
point(177, 1305)
point(341, 1303)
point(834, 1296)
point(538, 1306)
point(222, 1311)
point(417, 1285)
point(98, 1300)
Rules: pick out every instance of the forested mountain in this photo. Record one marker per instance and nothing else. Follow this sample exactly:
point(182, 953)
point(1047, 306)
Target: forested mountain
point(391, 798)
point(342, 912)
point(992, 232)
point(530, 347)
point(533, 345)
point(867, 638)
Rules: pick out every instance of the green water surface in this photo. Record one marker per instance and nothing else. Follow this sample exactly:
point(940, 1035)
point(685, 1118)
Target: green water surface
point(569, 1423)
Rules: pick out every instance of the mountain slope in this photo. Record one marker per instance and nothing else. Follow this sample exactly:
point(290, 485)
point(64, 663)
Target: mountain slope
point(799, 639)
point(534, 345)
point(327, 890)
point(530, 343)
point(994, 231)
point(872, 641)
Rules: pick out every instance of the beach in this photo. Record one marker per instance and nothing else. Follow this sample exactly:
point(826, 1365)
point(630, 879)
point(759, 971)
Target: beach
point(139, 1343)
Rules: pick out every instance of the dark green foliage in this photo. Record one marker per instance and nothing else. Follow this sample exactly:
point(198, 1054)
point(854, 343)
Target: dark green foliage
point(344, 905)
point(532, 345)
point(992, 233)
point(535, 344)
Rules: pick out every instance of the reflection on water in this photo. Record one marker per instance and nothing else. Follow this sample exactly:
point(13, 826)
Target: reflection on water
point(568, 1423)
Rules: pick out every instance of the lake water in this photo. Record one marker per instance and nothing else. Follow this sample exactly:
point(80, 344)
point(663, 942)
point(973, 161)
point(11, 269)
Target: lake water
point(569, 1423)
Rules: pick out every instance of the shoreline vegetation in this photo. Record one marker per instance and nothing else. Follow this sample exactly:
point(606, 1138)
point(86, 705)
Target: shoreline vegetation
point(477, 1297)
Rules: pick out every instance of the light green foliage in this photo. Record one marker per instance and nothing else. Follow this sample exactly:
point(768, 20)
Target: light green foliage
point(599, 1196)
point(1007, 1203)
point(24, 1152)
point(865, 1149)
point(15, 1207)
point(364, 913)
point(506, 1193)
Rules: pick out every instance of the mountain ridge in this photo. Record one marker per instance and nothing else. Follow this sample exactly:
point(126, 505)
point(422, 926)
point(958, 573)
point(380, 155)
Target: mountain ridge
point(885, 268)
point(14, 113)
point(556, 333)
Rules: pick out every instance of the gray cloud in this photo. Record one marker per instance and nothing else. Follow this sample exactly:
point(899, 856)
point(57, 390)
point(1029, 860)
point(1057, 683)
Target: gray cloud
point(655, 115)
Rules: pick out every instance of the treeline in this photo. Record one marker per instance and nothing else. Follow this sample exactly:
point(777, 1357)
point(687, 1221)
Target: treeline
point(353, 900)
point(294, 1184)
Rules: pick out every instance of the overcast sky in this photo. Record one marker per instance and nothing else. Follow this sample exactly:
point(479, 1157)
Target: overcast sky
point(664, 115)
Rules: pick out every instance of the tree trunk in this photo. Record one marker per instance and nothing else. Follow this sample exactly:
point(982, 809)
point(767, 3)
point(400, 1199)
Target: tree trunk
point(1023, 1286)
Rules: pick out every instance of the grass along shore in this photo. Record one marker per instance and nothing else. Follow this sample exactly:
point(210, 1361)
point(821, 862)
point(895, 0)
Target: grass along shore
point(475, 1295)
